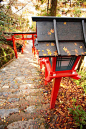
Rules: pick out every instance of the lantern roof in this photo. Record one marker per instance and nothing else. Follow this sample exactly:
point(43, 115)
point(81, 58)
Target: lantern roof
point(60, 36)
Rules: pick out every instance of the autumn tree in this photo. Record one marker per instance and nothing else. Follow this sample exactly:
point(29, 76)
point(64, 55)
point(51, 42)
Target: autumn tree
point(53, 7)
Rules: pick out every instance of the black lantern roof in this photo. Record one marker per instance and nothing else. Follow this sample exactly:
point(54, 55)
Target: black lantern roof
point(60, 36)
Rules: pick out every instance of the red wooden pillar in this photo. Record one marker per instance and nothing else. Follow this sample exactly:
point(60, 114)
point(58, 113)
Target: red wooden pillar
point(33, 44)
point(40, 64)
point(54, 64)
point(22, 50)
point(55, 92)
point(14, 46)
point(46, 74)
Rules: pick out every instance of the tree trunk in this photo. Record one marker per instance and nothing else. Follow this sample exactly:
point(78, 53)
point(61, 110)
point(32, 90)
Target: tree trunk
point(53, 7)
point(47, 6)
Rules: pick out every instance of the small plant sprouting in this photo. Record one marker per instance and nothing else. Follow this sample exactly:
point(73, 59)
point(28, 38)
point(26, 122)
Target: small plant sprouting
point(79, 115)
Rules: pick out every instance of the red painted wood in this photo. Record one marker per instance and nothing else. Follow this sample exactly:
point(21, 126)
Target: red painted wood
point(23, 38)
point(46, 74)
point(54, 93)
point(9, 39)
point(33, 43)
point(14, 46)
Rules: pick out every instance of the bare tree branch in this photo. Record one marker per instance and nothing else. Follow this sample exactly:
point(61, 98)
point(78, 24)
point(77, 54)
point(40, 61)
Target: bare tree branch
point(21, 8)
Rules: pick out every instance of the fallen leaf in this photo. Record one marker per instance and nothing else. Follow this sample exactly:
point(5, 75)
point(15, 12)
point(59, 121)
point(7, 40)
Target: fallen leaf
point(49, 33)
point(44, 54)
point(55, 53)
point(76, 50)
point(48, 50)
point(75, 44)
point(52, 44)
point(64, 23)
point(52, 30)
point(47, 44)
point(81, 47)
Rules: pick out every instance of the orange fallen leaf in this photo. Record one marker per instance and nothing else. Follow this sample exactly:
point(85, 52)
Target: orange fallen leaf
point(55, 53)
point(76, 50)
point(75, 44)
point(49, 33)
point(44, 54)
point(64, 23)
point(47, 50)
point(47, 44)
point(76, 54)
point(65, 49)
point(81, 47)
point(22, 119)
point(82, 53)
point(52, 44)
point(52, 30)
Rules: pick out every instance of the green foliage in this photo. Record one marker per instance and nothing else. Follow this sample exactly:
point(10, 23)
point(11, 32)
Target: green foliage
point(77, 12)
point(6, 53)
point(79, 116)
point(37, 7)
point(44, 13)
point(82, 80)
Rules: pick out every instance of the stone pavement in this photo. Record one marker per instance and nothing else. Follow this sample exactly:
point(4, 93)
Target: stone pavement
point(22, 103)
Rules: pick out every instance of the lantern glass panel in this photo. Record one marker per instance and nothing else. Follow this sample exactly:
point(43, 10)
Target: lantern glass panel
point(65, 63)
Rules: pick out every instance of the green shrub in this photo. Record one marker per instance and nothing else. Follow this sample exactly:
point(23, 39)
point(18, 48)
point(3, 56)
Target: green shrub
point(82, 80)
point(6, 54)
point(79, 116)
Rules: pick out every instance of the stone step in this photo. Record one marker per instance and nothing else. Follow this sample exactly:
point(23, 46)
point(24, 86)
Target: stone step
point(36, 100)
point(30, 124)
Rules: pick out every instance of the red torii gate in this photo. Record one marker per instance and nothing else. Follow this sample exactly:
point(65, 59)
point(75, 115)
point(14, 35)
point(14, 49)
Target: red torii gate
point(13, 38)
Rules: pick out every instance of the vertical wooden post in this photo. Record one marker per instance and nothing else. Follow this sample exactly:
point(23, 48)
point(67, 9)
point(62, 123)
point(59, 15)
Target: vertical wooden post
point(14, 46)
point(33, 43)
point(22, 49)
point(46, 74)
point(54, 64)
point(55, 92)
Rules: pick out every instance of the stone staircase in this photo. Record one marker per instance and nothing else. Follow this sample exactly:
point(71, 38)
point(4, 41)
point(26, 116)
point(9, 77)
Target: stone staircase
point(22, 102)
